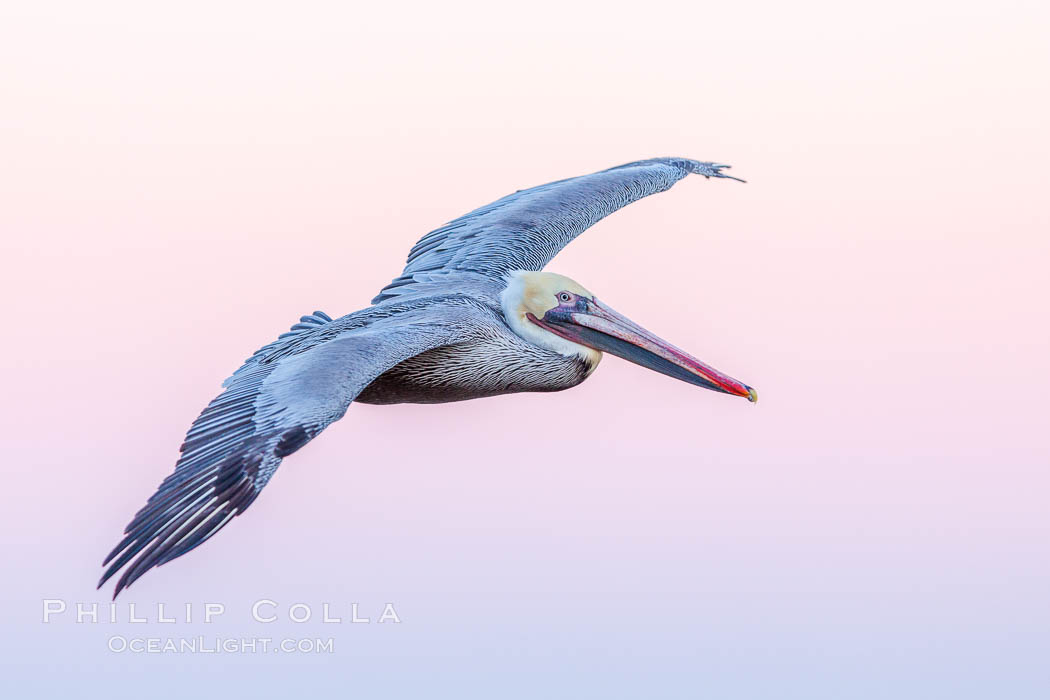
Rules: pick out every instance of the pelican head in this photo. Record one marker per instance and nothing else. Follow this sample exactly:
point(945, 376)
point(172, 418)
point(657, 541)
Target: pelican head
point(559, 314)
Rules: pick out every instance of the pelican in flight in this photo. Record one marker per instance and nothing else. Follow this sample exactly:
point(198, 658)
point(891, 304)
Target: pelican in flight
point(472, 315)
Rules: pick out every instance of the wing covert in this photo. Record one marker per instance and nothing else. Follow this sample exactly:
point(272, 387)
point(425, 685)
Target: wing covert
point(525, 230)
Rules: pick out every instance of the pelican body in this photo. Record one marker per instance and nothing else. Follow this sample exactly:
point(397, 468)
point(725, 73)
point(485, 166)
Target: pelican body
point(472, 315)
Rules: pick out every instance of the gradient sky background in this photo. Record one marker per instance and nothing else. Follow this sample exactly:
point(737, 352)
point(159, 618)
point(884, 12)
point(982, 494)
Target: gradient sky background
point(179, 185)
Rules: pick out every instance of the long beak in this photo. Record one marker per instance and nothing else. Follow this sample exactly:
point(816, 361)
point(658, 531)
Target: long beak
point(603, 329)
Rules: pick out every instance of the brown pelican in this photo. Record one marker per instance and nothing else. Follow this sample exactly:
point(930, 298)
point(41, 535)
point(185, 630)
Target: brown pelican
point(471, 315)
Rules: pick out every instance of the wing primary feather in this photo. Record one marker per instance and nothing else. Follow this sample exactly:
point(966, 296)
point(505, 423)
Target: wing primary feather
point(284, 395)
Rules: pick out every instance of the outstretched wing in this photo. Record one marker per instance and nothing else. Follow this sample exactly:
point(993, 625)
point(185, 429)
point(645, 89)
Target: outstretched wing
point(279, 400)
point(525, 230)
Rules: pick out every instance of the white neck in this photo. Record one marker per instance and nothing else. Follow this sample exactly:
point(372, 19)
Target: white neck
point(517, 300)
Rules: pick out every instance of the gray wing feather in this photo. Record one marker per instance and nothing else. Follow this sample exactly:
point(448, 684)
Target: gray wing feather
point(280, 399)
point(525, 230)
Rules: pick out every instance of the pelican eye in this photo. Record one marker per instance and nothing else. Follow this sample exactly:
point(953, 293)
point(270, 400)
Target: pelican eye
point(564, 297)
